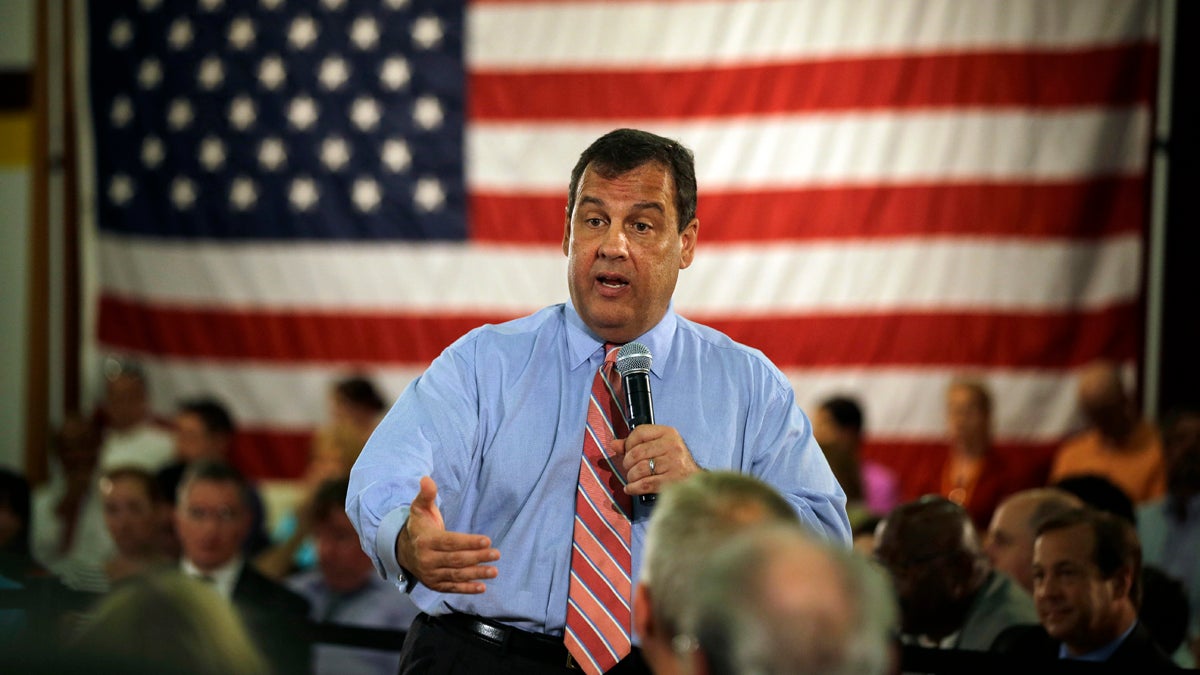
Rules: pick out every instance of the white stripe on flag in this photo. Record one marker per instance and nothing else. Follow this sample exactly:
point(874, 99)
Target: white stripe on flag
point(887, 147)
point(1031, 405)
point(715, 33)
point(931, 274)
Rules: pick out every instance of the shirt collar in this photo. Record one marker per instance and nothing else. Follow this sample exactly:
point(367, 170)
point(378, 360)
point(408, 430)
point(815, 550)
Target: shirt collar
point(1101, 654)
point(582, 343)
point(224, 578)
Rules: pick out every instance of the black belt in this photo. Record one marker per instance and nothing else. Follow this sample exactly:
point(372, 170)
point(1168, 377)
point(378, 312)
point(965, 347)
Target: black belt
point(506, 639)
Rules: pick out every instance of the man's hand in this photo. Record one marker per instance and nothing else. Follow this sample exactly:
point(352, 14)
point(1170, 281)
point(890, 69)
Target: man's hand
point(672, 460)
point(448, 562)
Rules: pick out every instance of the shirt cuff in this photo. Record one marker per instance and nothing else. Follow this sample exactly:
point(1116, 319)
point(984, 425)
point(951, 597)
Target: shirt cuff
point(385, 546)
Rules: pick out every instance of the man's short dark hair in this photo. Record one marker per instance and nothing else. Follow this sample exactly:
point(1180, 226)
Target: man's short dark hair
point(329, 497)
point(1101, 494)
point(1116, 544)
point(846, 413)
point(213, 471)
point(361, 393)
point(212, 414)
point(624, 150)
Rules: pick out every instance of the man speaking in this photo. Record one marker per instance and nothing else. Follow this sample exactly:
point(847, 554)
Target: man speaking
point(501, 489)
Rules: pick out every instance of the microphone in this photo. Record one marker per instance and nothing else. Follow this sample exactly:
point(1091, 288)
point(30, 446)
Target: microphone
point(633, 364)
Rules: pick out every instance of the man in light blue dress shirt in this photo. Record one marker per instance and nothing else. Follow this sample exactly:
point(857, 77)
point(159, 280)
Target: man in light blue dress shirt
point(465, 494)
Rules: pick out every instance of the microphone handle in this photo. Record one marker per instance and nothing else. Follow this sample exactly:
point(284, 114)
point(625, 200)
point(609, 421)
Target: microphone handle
point(640, 404)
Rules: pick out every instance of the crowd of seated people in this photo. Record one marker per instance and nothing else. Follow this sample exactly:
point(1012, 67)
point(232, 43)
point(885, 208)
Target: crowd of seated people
point(1099, 560)
point(120, 524)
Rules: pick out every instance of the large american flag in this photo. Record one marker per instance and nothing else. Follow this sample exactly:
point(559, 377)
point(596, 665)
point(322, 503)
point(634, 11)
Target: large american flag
point(892, 192)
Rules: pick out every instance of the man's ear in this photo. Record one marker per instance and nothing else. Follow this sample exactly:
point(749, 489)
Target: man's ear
point(1122, 581)
point(643, 615)
point(566, 244)
point(688, 238)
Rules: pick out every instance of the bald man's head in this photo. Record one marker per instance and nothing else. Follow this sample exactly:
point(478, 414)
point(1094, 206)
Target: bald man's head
point(1009, 540)
point(1103, 400)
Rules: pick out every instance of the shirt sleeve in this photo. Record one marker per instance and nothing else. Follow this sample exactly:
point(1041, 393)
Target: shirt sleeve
point(785, 455)
point(429, 431)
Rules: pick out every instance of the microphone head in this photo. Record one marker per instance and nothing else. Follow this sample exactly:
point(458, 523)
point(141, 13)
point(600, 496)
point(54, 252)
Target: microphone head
point(633, 357)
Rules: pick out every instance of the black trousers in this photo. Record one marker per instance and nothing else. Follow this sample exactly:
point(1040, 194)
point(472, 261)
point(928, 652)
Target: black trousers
point(435, 648)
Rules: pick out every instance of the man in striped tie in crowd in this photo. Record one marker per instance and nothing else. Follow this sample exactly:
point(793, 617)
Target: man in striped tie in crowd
point(503, 490)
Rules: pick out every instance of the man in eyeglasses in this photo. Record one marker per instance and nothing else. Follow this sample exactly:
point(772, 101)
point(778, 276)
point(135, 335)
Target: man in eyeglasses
point(950, 597)
point(212, 520)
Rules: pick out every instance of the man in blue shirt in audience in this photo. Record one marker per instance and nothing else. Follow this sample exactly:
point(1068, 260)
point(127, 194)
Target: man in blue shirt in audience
point(466, 493)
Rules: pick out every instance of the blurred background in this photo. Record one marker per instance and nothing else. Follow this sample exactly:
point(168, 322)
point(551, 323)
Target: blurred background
point(250, 200)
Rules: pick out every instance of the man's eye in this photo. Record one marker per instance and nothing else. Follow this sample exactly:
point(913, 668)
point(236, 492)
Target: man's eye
point(642, 227)
point(595, 222)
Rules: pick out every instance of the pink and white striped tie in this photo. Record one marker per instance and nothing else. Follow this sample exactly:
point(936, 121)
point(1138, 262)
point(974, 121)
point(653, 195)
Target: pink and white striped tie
point(599, 598)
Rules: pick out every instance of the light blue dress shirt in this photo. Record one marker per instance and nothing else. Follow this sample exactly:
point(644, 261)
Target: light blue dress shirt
point(375, 605)
point(1100, 655)
point(497, 420)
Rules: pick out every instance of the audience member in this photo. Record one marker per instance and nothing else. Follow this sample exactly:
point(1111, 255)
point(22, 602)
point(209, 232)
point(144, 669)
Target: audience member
point(345, 589)
point(167, 623)
point(1099, 493)
point(355, 407)
point(16, 558)
point(871, 488)
point(949, 595)
point(690, 519)
point(134, 513)
point(972, 473)
point(1166, 613)
point(775, 600)
point(863, 536)
point(1118, 443)
point(67, 526)
point(205, 431)
point(1169, 528)
point(1010, 535)
point(1087, 587)
point(131, 436)
point(213, 520)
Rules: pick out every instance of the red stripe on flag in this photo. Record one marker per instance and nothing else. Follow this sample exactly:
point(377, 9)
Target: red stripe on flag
point(1109, 76)
point(1097, 207)
point(977, 339)
point(271, 453)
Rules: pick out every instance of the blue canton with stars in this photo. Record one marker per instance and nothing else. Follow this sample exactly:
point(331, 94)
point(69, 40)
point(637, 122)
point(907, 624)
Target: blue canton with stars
point(279, 119)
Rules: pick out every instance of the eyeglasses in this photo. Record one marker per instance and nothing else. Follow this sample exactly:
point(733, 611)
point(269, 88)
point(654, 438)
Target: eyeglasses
point(222, 515)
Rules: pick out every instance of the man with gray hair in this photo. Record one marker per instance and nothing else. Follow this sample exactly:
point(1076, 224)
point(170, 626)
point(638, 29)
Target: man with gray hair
point(690, 520)
point(774, 600)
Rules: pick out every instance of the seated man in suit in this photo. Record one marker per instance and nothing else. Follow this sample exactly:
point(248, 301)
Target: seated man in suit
point(213, 519)
point(1087, 587)
point(950, 597)
point(1010, 535)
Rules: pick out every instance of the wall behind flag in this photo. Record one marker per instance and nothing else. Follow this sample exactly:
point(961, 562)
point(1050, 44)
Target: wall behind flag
point(890, 192)
point(16, 157)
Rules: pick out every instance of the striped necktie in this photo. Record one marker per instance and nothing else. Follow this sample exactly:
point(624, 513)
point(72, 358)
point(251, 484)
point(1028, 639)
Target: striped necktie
point(598, 600)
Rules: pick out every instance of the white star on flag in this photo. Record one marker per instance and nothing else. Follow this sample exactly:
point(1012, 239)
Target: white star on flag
point(429, 194)
point(271, 153)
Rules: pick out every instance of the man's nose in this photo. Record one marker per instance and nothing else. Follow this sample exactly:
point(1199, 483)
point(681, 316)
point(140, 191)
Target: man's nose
point(615, 243)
